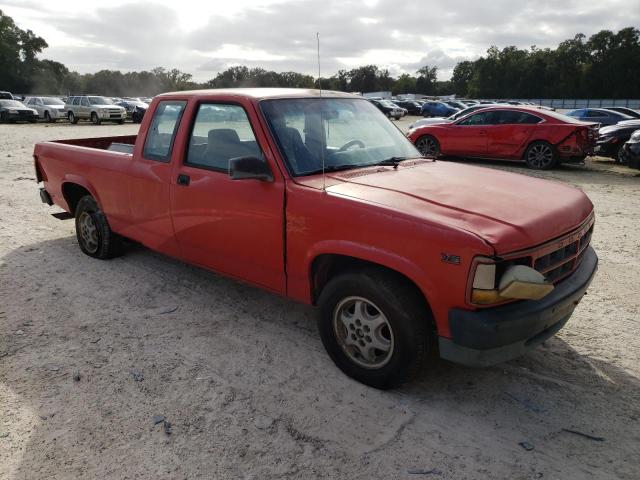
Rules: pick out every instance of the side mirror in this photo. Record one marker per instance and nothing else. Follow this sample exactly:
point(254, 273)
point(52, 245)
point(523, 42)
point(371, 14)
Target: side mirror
point(249, 168)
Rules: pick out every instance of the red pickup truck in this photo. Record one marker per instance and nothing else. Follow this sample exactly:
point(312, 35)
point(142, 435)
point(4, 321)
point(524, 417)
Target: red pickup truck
point(317, 196)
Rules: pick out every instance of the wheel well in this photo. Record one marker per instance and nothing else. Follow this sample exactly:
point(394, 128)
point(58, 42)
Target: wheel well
point(327, 266)
point(72, 193)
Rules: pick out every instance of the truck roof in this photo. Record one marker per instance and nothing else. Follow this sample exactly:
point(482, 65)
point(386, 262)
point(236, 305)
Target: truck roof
point(262, 93)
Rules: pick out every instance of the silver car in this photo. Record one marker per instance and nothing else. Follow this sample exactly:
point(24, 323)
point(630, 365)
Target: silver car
point(48, 108)
point(96, 108)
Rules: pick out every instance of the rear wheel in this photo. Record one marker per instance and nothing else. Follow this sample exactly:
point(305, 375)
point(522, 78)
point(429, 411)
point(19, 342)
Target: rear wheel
point(428, 146)
point(540, 156)
point(93, 231)
point(95, 119)
point(375, 327)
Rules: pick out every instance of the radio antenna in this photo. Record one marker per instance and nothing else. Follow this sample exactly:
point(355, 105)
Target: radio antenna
point(322, 142)
point(319, 78)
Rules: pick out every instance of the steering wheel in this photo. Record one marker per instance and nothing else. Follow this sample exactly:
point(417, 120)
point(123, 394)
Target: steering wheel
point(350, 144)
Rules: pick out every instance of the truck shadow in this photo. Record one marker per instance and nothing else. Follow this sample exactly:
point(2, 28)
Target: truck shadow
point(105, 346)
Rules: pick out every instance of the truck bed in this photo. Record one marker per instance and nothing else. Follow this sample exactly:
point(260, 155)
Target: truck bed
point(100, 143)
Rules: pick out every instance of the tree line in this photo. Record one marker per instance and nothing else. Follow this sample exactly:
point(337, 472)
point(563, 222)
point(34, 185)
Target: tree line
point(606, 65)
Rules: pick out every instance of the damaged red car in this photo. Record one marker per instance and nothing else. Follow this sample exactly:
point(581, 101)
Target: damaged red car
point(541, 138)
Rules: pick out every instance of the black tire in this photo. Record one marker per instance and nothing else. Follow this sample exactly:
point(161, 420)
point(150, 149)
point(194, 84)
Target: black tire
point(120, 122)
point(47, 117)
point(428, 146)
point(621, 155)
point(95, 119)
point(407, 320)
point(93, 231)
point(72, 118)
point(541, 155)
point(4, 118)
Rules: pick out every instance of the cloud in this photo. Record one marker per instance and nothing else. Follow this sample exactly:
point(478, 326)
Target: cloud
point(204, 39)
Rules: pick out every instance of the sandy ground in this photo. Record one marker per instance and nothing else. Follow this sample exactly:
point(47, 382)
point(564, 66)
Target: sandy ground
point(92, 351)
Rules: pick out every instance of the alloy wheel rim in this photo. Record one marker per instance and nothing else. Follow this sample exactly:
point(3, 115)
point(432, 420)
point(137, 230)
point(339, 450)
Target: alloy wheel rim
point(540, 156)
point(88, 232)
point(427, 147)
point(363, 332)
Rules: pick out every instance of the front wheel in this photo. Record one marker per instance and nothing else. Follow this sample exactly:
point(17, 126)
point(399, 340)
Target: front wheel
point(95, 119)
point(375, 327)
point(93, 231)
point(72, 118)
point(428, 146)
point(540, 156)
point(621, 155)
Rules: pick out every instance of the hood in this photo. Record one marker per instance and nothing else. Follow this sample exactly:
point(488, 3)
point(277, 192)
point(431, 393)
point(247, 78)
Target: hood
point(108, 106)
point(620, 127)
point(509, 211)
point(429, 121)
point(629, 123)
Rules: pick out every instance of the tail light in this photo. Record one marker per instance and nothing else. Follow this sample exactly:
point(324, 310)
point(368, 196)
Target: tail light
point(40, 175)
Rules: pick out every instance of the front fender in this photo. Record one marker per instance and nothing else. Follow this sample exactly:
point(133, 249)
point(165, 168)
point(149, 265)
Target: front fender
point(374, 255)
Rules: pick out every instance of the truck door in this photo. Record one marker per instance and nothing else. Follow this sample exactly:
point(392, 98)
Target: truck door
point(235, 227)
point(149, 178)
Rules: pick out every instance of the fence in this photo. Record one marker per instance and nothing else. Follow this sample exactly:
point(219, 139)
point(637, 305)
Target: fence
point(570, 103)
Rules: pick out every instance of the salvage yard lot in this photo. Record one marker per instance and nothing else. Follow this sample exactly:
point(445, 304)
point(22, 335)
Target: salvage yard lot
point(92, 351)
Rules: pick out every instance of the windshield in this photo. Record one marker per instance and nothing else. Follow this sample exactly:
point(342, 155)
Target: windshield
point(52, 101)
point(11, 103)
point(100, 101)
point(347, 133)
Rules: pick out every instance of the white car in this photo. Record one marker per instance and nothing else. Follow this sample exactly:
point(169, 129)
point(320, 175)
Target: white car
point(96, 108)
point(48, 108)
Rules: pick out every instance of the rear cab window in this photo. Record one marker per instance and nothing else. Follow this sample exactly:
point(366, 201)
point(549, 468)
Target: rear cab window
point(162, 131)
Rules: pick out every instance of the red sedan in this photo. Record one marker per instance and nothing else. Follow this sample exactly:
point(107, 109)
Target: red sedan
point(539, 137)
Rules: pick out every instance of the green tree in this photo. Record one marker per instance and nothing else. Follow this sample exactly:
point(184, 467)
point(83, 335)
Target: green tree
point(18, 50)
point(426, 81)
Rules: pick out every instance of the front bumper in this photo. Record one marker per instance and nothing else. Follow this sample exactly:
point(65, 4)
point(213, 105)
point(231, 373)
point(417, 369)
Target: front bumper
point(607, 148)
point(486, 337)
point(632, 154)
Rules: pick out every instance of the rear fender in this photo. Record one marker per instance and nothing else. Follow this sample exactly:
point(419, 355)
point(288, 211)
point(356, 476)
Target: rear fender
point(81, 181)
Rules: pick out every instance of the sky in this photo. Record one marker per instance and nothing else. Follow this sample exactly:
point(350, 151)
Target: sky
point(207, 36)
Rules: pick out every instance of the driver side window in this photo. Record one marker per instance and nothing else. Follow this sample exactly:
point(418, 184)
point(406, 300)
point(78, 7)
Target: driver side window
point(220, 132)
point(477, 119)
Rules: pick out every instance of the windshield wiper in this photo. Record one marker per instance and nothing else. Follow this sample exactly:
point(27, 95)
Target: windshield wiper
point(333, 168)
point(392, 161)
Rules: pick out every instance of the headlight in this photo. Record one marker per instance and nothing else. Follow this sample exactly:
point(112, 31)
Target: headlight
point(11, 110)
point(501, 281)
point(635, 136)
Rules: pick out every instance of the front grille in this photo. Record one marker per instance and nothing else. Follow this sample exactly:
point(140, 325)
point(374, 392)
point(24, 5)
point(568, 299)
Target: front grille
point(557, 263)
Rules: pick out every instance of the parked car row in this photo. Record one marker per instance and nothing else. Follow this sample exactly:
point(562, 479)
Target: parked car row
point(95, 108)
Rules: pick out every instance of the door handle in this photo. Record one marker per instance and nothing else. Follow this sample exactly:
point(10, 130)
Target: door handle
point(482, 132)
point(184, 179)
